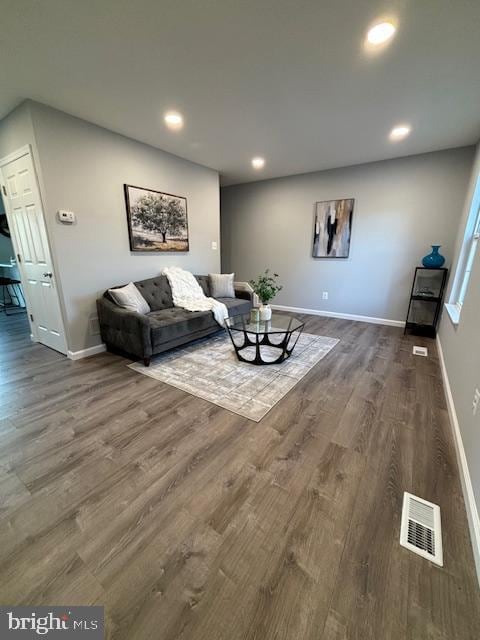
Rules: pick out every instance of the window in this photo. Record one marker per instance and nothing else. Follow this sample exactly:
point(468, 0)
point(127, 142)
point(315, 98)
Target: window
point(470, 256)
point(466, 259)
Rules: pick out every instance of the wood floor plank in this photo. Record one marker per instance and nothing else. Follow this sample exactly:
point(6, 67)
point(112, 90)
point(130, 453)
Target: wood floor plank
point(367, 602)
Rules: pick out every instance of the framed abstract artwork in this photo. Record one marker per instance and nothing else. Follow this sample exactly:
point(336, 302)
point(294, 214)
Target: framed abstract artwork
point(333, 228)
point(157, 221)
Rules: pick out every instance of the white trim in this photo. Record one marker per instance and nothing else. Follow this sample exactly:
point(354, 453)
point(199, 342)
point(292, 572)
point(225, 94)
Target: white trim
point(469, 496)
point(85, 353)
point(15, 155)
point(344, 316)
point(454, 312)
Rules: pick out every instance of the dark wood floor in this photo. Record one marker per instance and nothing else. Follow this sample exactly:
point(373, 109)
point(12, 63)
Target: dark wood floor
point(189, 522)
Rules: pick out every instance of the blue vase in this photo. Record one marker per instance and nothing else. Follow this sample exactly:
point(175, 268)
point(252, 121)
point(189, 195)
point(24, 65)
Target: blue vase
point(434, 260)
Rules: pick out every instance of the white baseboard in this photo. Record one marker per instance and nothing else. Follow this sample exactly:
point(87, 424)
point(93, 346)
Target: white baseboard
point(343, 316)
point(469, 496)
point(85, 353)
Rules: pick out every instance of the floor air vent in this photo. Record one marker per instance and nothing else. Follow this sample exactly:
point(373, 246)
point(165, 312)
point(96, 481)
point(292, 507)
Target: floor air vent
point(420, 351)
point(421, 529)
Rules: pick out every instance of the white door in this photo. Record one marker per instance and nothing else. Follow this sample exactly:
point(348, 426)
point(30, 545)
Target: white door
point(29, 236)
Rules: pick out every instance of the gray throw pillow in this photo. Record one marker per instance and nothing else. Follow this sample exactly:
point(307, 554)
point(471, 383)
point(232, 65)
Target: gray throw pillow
point(130, 298)
point(221, 285)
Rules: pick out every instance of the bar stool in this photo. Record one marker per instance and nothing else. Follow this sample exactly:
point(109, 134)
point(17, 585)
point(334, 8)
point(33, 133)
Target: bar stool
point(15, 291)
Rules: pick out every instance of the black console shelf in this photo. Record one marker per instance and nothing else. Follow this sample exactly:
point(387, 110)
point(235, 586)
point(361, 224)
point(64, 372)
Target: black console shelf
point(426, 301)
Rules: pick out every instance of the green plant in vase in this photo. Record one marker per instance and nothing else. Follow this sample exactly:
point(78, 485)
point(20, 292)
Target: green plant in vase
point(266, 287)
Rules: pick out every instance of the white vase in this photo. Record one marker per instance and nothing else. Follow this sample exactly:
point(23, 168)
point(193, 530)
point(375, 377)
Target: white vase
point(265, 312)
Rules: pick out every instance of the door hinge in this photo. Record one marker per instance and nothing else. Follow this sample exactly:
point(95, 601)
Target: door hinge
point(4, 190)
point(19, 257)
point(31, 317)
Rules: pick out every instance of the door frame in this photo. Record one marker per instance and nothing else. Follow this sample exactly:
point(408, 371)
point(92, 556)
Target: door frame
point(11, 157)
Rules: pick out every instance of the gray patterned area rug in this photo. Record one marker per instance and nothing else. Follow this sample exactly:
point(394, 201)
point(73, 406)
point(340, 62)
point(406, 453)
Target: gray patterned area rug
point(210, 370)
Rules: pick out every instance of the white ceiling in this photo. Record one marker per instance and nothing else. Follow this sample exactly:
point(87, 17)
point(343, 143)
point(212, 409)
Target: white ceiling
point(287, 80)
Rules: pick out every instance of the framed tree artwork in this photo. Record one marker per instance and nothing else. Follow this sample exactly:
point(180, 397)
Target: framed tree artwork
point(333, 228)
point(157, 221)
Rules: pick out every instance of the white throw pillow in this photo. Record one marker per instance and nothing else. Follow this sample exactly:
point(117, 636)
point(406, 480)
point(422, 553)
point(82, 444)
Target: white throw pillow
point(221, 285)
point(130, 298)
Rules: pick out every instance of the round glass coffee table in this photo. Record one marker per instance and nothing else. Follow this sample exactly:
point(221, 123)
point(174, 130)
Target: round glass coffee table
point(264, 342)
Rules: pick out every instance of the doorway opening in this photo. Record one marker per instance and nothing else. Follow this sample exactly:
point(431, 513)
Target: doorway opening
point(30, 286)
point(12, 299)
point(14, 325)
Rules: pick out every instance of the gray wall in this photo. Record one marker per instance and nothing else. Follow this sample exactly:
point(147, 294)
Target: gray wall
point(6, 246)
point(83, 169)
point(401, 207)
point(16, 130)
point(461, 349)
point(6, 252)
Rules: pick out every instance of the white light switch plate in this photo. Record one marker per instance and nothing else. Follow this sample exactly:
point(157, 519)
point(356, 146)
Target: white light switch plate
point(214, 246)
point(476, 400)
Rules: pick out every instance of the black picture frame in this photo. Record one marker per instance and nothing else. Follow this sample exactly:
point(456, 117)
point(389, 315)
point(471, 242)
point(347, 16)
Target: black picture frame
point(142, 239)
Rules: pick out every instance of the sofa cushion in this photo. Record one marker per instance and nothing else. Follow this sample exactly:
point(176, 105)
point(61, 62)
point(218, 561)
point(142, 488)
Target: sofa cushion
point(236, 306)
point(204, 282)
point(173, 323)
point(221, 285)
point(130, 298)
point(156, 292)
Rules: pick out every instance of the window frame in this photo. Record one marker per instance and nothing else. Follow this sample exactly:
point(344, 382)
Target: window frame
point(471, 242)
point(469, 260)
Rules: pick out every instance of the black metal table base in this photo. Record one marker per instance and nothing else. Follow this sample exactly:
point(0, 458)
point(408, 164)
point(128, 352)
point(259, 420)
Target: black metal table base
point(264, 340)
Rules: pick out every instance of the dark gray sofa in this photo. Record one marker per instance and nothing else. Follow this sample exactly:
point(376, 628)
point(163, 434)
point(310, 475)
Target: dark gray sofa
point(166, 326)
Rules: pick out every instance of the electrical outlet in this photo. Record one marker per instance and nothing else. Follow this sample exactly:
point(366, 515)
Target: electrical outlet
point(325, 295)
point(476, 401)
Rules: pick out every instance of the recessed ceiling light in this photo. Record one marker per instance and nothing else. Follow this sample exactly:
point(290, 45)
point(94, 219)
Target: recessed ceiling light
point(381, 32)
point(399, 132)
point(173, 120)
point(258, 163)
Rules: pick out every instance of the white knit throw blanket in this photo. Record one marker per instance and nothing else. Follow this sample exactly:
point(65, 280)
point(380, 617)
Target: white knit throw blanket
point(188, 294)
